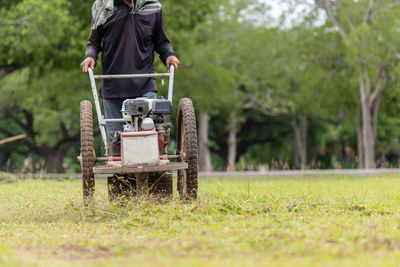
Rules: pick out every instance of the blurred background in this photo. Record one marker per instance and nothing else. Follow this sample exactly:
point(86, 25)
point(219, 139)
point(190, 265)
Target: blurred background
point(277, 85)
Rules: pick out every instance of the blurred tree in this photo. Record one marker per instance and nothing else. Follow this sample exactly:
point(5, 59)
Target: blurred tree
point(291, 76)
point(212, 75)
point(237, 27)
point(41, 85)
point(296, 95)
point(41, 36)
point(207, 81)
point(43, 112)
point(369, 30)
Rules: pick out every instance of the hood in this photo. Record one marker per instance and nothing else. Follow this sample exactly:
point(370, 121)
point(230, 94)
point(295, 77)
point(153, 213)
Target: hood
point(141, 3)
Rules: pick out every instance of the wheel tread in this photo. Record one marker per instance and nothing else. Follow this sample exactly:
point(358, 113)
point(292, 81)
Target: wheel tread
point(88, 158)
point(186, 124)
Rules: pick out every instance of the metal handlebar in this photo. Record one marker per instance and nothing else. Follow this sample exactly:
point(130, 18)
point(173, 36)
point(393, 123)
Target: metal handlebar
point(171, 81)
point(102, 121)
point(170, 74)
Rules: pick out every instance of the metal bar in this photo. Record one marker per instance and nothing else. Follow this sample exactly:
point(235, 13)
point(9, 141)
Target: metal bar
point(113, 120)
point(173, 156)
point(101, 159)
point(130, 76)
point(105, 159)
point(98, 110)
point(171, 82)
point(171, 166)
point(136, 121)
point(12, 139)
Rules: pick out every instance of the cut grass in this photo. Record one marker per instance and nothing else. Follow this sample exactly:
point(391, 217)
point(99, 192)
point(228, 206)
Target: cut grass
point(6, 177)
point(305, 221)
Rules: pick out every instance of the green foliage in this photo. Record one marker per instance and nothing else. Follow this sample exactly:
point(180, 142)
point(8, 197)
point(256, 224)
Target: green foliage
point(233, 62)
point(375, 42)
point(41, 96)
point(38, 32)
point(44, 46)
point(205, 70)
point(50, 99)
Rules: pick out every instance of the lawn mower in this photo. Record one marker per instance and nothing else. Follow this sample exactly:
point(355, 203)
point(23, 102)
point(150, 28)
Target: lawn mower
point(144, 167)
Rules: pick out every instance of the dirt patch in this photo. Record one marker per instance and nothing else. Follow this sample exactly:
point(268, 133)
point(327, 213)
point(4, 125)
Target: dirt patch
point(74, 252)
point(357, 208)
point(67, 252)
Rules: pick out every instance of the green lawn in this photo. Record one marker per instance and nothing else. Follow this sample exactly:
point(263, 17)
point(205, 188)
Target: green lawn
point(324, 221)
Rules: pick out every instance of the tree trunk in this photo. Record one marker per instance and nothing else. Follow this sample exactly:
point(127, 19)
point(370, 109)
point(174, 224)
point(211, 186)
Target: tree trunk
point(370, 103)
point(360, 147)
point(52, 159)
point(370, 99)
point(300, 128)
point(368, 140)
point(4, 157)
point(232, 142)
point(204, 151)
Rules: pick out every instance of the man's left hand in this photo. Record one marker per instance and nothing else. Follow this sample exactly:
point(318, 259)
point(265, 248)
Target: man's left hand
point(173, 60)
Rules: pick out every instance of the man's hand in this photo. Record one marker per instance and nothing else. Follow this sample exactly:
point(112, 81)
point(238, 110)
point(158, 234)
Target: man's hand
point(88, 62)
point(173, 60)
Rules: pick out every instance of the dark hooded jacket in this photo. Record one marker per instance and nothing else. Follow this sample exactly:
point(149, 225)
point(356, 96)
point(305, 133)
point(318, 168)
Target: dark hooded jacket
point(127, 41)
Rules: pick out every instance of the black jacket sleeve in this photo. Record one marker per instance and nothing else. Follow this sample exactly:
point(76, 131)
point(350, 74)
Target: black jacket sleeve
point(162, 45)
point(93, 46)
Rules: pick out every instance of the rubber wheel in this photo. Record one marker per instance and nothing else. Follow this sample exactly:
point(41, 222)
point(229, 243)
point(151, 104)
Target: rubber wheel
point(88, 158)
point(186, 147)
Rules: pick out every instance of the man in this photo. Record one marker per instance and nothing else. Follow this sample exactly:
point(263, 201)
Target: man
point(128, 39)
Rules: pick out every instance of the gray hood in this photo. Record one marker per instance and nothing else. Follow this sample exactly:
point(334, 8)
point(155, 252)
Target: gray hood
point(102, 10)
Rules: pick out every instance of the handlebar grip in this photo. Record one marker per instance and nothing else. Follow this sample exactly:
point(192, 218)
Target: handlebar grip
point(172, 68)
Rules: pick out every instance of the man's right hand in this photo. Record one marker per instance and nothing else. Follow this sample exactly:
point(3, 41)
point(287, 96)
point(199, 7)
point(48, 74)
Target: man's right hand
point(88, 62)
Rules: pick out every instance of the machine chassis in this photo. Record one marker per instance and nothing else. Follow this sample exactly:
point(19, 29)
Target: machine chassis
point(138, 174)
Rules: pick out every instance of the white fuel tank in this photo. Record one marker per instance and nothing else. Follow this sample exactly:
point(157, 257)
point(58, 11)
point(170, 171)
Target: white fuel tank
point(139, 148)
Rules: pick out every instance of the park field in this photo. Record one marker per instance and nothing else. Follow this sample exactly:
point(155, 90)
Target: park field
point(263, 221)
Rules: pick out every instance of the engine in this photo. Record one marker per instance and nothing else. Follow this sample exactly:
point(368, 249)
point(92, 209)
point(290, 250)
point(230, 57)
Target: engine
point(142, 114)
point(147, 129)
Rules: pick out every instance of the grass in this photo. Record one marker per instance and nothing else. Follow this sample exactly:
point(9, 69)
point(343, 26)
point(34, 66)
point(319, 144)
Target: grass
point(7, 178)
point(303, 221)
